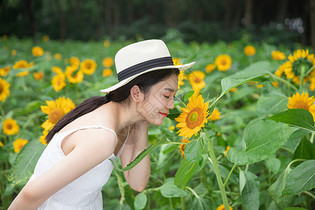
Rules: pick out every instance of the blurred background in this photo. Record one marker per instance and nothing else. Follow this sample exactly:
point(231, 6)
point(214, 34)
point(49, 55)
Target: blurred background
point(271, 21)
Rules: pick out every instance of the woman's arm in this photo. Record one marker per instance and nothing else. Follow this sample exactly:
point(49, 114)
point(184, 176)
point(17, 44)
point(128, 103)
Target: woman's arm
point(93, 146)
point(138, 176)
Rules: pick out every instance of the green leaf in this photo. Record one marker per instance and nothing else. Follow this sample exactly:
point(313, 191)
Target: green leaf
point(273, 164)
point(271, 104)
point(144, 153)
point(250, 193)
point(305, 150)
point(300, 118)
point(170, 190)
point(295, 208)
point(250, 73)
point(25, 163)
point(185, 171)
point(140, 201)
point(188, 94)
point(262, 138)
point(193, 150)
point(301, 178)
point(242, 180)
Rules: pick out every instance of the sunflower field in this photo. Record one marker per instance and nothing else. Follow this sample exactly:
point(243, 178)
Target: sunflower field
point(241, 135)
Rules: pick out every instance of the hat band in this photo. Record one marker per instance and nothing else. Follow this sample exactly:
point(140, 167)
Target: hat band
point(141, 67)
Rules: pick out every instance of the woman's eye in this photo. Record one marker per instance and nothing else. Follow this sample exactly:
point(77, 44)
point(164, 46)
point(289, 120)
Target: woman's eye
point(167, 97)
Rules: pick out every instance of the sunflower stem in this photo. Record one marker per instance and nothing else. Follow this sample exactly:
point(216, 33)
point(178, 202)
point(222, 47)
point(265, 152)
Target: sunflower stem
point(302, 76)
point(213, 161)
point(228, 177)
point(310, 70)
point(284, 81)
point(312, 138)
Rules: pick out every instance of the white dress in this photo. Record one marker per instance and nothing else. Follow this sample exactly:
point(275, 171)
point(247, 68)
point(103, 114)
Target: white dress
point(84, 193)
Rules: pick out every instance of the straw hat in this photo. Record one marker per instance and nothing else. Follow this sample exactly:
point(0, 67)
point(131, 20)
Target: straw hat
point(142, 57)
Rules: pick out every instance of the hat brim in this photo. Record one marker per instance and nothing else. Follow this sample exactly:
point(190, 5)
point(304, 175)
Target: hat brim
point(125, 81)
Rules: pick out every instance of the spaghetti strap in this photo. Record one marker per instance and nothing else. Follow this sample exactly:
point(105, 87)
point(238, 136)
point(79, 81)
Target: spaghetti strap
point(68, 132)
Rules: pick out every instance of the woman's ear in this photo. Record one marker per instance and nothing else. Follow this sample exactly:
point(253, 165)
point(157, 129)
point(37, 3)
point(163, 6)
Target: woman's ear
point(136, 93)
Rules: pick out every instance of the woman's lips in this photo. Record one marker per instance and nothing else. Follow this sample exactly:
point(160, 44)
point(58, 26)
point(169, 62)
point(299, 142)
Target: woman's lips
point(163, 114)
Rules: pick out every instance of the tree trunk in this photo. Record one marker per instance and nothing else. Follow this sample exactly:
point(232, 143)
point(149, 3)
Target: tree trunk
point(77, 8)
point(282, 10)
point(62, 21)
point(248, 17)
point(116, 9)
point(30, 15)
point(108, 14)
point(171, 13)
point(227, 15)
point(129, 12)
point(312, 22)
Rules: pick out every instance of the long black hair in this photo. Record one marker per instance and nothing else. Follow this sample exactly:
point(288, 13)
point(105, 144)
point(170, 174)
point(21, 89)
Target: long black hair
point(144, 82)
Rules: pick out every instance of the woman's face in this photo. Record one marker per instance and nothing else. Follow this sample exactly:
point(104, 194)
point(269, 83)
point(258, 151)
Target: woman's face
point(159, 100)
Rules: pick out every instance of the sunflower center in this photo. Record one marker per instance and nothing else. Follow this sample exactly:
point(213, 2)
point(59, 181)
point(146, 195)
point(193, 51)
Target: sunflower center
point(55, 115)
point(9, 126)
point(1, 88)
point(194, 118)
point(223, 62)
point(197, 80)
point(88, 66)
point(301, 105)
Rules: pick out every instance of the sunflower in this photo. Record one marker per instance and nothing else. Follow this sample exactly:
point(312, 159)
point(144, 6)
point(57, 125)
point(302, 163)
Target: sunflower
point(4, 89)
point(57, 70)
point(1, 144)
point(58, 82)
point(5, 71)
point(88, 66)
point(19, 144)
point(107, 72)
point(38, 75)
point(55, 111)
point(10, 127)
point(45, 38)
point(302, 101)
point(297, 62)
point(22, 73)
point(108, 62)
point(181, 77)
point(192, 118)
point(72, 77)
point(215, 115)
point(42, 138)
point(226, 150)
point(277, 55)
point(196, 79)
point(37, 51)
point(106, 43)
point(171, 128)
point(183, 146)
point(13, 52)
point(22, 64)
point(223, 62)
point(222, 207)
point(58, 56)
point(74, 61)
point(176, 61)
point(249, 50)
point(210, 67)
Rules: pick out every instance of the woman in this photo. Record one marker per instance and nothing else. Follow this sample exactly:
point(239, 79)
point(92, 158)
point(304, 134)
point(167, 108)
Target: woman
point(77, 163)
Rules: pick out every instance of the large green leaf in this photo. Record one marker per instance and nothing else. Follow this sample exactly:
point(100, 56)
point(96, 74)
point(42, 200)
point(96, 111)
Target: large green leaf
point(25, 163)
point(185, 171)
point(140, 201)
point(250, 193)
point(305, 150)
point(250, 73)
point(300, 118)
point(143, 154)
point(271, 104)
point(301, 178)
point(170, 190)
point(262, 138)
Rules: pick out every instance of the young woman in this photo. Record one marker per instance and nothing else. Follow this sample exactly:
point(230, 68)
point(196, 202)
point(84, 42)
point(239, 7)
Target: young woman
point(76, 164)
